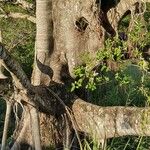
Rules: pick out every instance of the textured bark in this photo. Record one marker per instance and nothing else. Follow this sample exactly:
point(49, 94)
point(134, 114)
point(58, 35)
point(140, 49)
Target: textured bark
point(22, 134)
point(122, 121)
point(35, 128)
point(6, 124)
point(74, 28)
point(108, 122)
point(116, 13)
point(76, 31)
point(44, 41)
point(96, 121)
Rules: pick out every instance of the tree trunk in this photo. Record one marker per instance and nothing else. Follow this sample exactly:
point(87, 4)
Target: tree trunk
point(76, 30)
point(98, 122)
point(44, 42)
point(42, 73)
point(66, 30)
point(41, 76)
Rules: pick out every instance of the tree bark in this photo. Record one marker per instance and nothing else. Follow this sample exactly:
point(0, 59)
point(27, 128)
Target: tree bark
point(44, 42)
point(96, 121)
point(116, 13)
point(61, 39)
point(6, 124)
point(76, 31)
point(108, 122)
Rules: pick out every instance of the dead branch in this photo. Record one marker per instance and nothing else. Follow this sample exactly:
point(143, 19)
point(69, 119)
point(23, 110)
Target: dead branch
point(19, 16)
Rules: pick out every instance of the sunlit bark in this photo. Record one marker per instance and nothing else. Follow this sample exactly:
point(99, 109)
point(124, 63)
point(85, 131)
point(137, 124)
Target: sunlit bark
point(45, 102)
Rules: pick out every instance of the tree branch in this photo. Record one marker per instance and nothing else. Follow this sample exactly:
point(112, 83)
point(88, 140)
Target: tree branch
point(19, 16)
point(29, 93)
point(100, 122)
point(108, 122)
point(6, 124)
point(115, 14)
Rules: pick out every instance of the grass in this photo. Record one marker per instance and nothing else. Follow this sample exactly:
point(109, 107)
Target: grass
point(18, 37)
point(8, 7)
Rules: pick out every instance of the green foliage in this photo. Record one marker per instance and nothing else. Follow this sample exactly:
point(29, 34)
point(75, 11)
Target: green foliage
point(31, 1)
point(129, 143)
point(89, 79)
point(128, 85)
point(113, 50)
point(127, 82)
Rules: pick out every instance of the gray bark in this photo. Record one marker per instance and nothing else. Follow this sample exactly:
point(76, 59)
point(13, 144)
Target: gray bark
point(35, 128)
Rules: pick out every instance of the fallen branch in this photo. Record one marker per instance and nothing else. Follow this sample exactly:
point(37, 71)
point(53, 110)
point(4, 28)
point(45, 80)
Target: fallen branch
point(19, 16)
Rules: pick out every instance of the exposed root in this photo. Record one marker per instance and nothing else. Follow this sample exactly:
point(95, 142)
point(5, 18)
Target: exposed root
point(70, 116)
point(35, 128)
point(6, 124)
